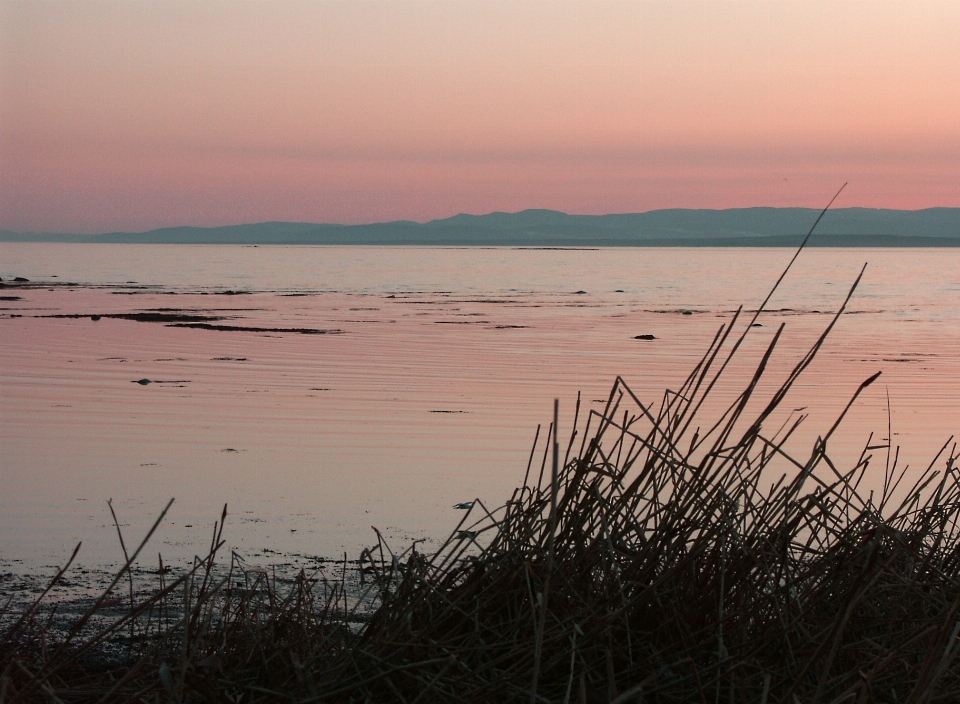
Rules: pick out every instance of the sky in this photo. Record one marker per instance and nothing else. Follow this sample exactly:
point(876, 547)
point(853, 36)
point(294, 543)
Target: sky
point(133, 115)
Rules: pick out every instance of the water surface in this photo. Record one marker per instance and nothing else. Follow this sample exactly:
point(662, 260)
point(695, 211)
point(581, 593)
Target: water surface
point(336, 388)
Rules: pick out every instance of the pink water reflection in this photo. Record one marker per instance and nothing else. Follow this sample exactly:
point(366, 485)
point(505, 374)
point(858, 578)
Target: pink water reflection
point(422, 400)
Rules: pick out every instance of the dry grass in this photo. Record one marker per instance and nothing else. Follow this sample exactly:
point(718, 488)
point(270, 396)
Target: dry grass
point(662, 558)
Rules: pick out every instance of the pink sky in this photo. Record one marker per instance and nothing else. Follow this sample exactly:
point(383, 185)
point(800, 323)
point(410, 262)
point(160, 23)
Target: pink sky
point(135, 115)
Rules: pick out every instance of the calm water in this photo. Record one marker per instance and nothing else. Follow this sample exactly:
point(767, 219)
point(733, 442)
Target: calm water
point(427, 389)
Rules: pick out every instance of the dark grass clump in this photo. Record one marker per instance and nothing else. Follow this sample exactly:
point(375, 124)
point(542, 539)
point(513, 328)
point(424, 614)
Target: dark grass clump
point(667, 559)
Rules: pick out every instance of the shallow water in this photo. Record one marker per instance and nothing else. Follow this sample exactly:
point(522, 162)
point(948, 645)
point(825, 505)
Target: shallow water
point(425, 388)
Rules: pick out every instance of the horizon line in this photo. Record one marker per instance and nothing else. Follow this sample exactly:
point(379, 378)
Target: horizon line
point(464, 214)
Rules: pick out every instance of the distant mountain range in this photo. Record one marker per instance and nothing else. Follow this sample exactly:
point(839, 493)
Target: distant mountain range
point(738, 227)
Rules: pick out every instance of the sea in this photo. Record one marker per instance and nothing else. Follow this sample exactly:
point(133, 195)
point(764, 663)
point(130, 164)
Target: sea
point(323, 392)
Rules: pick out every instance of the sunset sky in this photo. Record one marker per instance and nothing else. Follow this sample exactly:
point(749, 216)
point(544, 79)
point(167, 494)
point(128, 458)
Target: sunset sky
point(136, 115)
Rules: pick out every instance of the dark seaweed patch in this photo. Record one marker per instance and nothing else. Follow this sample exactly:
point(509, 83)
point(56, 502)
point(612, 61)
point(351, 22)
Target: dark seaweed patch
point(244, 328)
point(143, 317)
point(153, 317)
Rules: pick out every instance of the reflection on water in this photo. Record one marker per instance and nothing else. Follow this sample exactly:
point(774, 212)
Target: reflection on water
point(322, 390)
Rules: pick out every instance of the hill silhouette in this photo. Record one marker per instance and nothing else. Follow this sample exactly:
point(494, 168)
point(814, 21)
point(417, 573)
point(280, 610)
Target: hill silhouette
point(738, 227)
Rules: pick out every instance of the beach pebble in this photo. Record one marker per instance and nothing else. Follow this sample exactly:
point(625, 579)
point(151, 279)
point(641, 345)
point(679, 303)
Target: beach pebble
point(644, 337)
point(94, 318)
point(20, 278)
point(143, 382)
